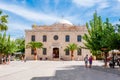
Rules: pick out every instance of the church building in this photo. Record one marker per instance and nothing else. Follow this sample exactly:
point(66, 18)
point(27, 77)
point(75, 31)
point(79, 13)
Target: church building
point(55, 38)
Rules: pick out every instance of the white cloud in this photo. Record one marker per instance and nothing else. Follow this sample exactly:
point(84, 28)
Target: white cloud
point(91, 3)
point(86, 3)
point(15, 33)
point(34, 16)
point(28, 14)
point(115, 10)
point(18, 26)
point(103, 5)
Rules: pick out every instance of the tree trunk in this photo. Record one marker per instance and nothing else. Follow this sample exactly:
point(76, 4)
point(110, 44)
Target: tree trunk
point(0, 58)
point(35, 57)
point(105, 59)
point(72, 56)
point(35, 54)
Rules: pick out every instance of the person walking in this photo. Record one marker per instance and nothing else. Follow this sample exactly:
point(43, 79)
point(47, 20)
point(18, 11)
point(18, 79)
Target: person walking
point(90, 61)
point(86, 61)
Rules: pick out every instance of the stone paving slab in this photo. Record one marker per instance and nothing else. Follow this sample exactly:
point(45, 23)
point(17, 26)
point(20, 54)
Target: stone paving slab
point(54, 70)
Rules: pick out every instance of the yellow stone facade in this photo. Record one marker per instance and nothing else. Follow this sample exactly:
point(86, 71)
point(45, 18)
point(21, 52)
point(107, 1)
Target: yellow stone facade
point(56, 47)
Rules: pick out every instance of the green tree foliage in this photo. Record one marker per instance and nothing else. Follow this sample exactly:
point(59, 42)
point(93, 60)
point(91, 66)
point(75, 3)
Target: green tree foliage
point(72, 47)
point(115, 38)
point(99, 34)
point(20, 43)
point(118, 26)
point(3, 22)
point(34, 46)
point(7, 46)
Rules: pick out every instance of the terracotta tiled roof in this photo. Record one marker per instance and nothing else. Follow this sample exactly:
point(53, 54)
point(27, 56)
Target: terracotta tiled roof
point(60, 27)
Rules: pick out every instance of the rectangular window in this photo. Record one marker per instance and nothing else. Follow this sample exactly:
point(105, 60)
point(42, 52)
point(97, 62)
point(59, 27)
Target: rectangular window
point(33, 38)
point(44, 51)
point(32, 51)
point(79, 38)
point(67, 38)
point(67, 52)
point(79, 52)
point(44, 38)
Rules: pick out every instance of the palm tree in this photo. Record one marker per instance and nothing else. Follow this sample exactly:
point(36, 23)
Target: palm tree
point(3, 21)
point(34, 46)
point(72, 47)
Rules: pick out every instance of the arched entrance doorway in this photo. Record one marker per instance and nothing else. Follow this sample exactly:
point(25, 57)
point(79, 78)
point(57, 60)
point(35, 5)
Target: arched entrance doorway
point(55, 52)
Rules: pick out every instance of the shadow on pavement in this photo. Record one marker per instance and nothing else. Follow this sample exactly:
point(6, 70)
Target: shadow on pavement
point(108, 70)
point(80, 73)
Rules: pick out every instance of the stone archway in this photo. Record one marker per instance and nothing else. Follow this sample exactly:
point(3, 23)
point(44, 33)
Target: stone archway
point(55, 52)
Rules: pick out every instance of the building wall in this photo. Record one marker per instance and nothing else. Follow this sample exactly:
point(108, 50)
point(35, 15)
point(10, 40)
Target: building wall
point(51, 43)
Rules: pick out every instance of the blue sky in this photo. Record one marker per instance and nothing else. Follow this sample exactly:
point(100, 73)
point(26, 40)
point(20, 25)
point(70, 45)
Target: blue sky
point(24, 13)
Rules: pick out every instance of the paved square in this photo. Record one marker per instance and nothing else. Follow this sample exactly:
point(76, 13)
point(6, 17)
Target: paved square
point(53, 70)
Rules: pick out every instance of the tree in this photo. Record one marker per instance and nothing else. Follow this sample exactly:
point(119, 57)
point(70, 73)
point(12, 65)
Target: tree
point(7, 46)
point(3, 43)
point(11, 46)
point(34, 46)
point(118, 26)
point(115, 39)
point(3, 21)
point(72, 47)
point(99, 35)
point(20, 43)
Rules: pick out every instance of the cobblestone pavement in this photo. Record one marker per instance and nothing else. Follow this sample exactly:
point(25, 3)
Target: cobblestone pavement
point(56, 70)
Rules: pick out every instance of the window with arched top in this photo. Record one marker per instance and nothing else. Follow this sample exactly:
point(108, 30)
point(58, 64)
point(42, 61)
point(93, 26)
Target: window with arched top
point(79, 38)
point(79, 52)
point(33, 38)
point(67, 38)
point(44, 38)
point(67, 52)
point(44, 51)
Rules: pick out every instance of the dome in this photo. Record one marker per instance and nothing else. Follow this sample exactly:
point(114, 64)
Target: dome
point(63, 21)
